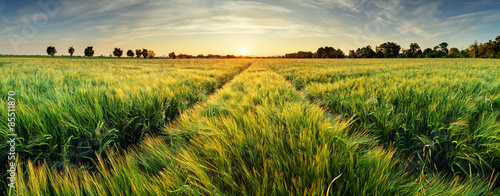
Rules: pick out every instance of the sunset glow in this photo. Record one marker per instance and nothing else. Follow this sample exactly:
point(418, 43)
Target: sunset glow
point(243, 52)
point(214, 26)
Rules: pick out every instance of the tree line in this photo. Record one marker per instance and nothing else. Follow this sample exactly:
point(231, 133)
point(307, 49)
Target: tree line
point(490, 49)
point(117, 52)
point(145, 53)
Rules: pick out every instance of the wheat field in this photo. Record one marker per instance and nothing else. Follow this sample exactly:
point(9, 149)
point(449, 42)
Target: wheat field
point(253, 126)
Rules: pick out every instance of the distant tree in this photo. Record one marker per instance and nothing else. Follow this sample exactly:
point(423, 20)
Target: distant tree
point(71, 50)
point(486, 50)
point(339, 54)
point(454, 53)
point(443, 47)
point(138, 53)
point(185, 56)
point(51, 50)
point(118, 52)
point(365, 52)
point(464, 53)
point(172, 55)
point(145, 53)
point(200, 56)
point(300, 54)
point(321, 53)
point(473, 50)
point(378, 53)
point(429, 53)
point(497, 45)
point(89, 51)
point(389, 49)
point(151, 54)
point(130, 53)
point(404, 53)
point(326, 52)
point(352, 54)
point(414, 50)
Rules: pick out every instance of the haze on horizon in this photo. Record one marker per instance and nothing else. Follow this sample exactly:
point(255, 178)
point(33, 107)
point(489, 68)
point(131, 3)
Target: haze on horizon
point(261, 28)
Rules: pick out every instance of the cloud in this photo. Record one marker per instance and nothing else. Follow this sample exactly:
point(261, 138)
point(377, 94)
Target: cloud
point(95, 8)
point(192, 18)
point(115, 22)
point(330, 4)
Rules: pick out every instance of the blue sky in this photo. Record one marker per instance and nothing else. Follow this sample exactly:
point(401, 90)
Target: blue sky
point(226, 27)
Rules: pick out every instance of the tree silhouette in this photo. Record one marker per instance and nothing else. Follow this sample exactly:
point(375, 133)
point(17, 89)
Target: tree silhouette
point(130, 53)
point(151, 54)
point(138, 53)
point(71, 50)
point(51, 50)
point(89, 51)
point(444, 47)
point(118, 52)
point(172, 55)
point(389, 49)
point(414, 50)
point(454, 53)
point(145, 53)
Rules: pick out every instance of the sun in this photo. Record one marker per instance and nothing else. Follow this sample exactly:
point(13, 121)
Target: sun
point(243, 51)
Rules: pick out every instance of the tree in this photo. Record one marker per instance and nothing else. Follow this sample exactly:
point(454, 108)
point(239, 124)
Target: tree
point(200, 56)
point(145, 53)
point(151, 54)
point(352, 54)
point(118, 52)
point(71, 50)
point(486, 50)
point(443, 47)
point(339, 54)
point(365, 52)
point(51, 50)
point(497, 45)
point(172, 55)
point(300, 54)
point(473, 50)
point(130, 53)
point(464, 53)
point(454, 53)
point(321, 53)
point(414, 50)
point(138, 53)
point(89, 51)
point(389, 49)
point(326, 52)
point(429, 53)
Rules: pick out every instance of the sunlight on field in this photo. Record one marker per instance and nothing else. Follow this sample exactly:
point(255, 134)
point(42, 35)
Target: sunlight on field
point(255, 127)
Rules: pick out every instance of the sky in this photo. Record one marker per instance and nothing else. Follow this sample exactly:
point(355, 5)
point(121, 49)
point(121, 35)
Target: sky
point(262, 28)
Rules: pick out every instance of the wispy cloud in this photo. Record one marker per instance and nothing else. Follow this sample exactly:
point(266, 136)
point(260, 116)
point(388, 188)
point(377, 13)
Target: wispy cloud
point(118, 22)
point(329, 4)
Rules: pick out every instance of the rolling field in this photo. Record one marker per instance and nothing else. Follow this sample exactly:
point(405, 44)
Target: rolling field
point(253, 127)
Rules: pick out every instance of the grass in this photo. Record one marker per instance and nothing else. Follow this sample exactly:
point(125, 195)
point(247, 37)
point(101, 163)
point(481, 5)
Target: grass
point(68, 109)
point(259, 135)
point(445, 114)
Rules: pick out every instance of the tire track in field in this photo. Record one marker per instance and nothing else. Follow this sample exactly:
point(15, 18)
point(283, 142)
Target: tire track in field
point(191, 106)
point(158, 130)
point(209, 94)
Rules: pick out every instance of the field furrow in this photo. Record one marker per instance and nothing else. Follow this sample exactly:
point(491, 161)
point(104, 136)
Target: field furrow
point(73, 108)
